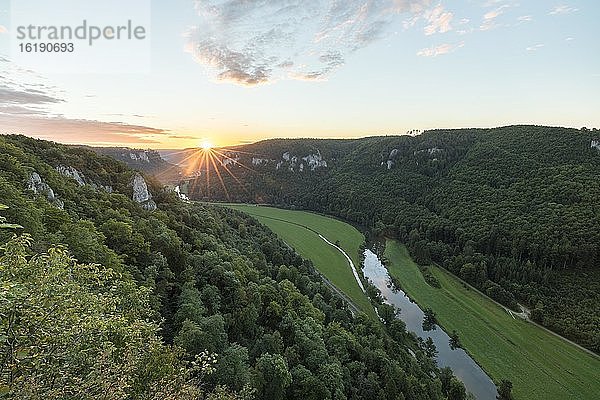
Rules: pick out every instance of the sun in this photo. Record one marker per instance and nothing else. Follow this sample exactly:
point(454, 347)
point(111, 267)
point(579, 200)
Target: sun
point(206, 145)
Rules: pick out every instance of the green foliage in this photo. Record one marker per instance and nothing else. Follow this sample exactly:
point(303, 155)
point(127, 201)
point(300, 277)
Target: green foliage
point(504, 390)
point(71, 330)
point(3, 224)
point(540, 364)
point(516, 205)
point(272, 376)
point(301, 231)
point(155, 294)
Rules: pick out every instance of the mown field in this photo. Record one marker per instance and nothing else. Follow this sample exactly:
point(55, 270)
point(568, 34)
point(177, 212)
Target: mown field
point(540, 365)
point(292, 227)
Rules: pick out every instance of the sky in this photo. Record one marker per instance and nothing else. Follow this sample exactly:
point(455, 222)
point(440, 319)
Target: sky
point(238, 71)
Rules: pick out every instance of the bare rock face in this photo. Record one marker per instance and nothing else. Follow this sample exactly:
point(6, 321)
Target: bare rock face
point(141, 194)
point(36, 184)
point(72, 173)
point(310, 162)
point(315, 161)
point(141, 155)
point(391, 161)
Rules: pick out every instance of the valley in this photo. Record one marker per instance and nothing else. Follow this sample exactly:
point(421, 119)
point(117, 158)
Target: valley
point(301, 231)
point(539, 364)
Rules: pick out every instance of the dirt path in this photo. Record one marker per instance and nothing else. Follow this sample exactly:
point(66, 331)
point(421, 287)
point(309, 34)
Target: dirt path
point(353, 307)
point(349, 262)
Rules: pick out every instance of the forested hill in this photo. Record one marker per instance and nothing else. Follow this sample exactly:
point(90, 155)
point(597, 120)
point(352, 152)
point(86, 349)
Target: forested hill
point(513, 210)
point(148, 161)
point(114, 288)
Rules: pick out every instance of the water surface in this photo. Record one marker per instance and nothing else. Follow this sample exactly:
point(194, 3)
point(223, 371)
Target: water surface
point(475, 379)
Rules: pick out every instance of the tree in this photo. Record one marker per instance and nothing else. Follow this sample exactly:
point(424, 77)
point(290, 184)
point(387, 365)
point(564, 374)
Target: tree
point(387, 313)
point(430, 348)
point(429, 319)
point(190, 305)
point(233, 368)
point(446, 376)
point(3, 223)
point(78, 331)
point(457, 390)
point(505, 390)
point(454, 340)
point(537, 314)
point(206, 335)
point(271, 376)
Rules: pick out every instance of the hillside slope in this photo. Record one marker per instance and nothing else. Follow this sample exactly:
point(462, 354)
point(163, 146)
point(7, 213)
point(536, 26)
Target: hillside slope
point(512, 210)
point(165, 288)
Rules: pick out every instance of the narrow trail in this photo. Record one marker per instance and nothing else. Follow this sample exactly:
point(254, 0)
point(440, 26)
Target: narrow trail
point(349, 262)
point(327, 281)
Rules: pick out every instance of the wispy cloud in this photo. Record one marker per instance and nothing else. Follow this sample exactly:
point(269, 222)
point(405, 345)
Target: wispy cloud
point(70, 130)
point(439, 20)
point(261, 41)
point(27, 104)
point(525, 18)
point(435, 51)
point(535, 47)
point(3, 29)
point(489, 18)
point(563, 9)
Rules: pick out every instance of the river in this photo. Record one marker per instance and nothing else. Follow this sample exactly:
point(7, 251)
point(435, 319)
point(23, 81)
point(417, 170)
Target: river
point(475, 379)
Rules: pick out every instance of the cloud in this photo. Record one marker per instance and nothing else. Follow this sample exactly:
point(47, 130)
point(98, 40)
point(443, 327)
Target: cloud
point(70, 130)
point(26, 96)
point(495, 13)
point(261, 41)
point(535, 47)
point(27, 104)
point(435, 51)
point(3, 29)
point(563, 9)
point(489, 18)
point(439, 20)
point(525, 18)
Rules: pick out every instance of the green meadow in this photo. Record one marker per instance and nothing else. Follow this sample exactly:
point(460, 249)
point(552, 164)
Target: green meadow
point(539, 364)
point(299, 230)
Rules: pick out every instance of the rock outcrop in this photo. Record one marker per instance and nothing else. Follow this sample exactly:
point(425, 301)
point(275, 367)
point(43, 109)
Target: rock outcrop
point(79, 177)
point(72, 173)
point(300, 164)
point(180, 194)
point(36, 184)
point(596, 144)
point(315, 161)
point(391, 161)
point(141, 194)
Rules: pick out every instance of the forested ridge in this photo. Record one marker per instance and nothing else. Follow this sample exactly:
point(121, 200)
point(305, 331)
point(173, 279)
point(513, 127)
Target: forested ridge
point(513, 210)
point(101, 298)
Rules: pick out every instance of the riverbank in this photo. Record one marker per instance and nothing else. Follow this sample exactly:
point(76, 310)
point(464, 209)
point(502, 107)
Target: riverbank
point(304, 231)
point(540, 365)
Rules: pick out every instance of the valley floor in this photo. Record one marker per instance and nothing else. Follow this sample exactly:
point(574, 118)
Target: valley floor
point(301, 230)
point(540, 364)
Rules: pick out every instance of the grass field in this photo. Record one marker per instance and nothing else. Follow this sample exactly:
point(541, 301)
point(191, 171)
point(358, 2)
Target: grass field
point(291, 227)
point(540, 365)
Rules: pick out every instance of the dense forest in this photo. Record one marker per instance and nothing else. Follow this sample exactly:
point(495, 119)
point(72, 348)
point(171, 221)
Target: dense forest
point(101, 297)
point(513, 211)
